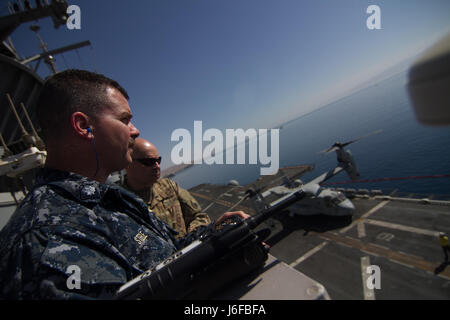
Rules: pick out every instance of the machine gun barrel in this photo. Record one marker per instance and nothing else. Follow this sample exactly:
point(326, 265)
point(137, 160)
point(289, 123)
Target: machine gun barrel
point(254, 221)
point(226, 252)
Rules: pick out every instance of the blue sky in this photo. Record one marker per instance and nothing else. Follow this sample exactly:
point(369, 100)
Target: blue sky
point(237, 63)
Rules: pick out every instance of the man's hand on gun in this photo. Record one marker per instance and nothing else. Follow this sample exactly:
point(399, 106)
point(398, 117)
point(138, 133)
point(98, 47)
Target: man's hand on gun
point(226, 215)
point(241, 214)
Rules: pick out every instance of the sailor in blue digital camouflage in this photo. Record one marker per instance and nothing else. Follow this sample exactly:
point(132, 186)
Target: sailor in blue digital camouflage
point(171, 203)
point(73, 236)
point(72, 220)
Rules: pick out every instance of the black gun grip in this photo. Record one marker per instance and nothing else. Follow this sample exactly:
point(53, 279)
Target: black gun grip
point(229, 221)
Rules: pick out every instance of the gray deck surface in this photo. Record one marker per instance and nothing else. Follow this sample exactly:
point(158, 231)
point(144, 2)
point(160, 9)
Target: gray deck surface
point(399, 237)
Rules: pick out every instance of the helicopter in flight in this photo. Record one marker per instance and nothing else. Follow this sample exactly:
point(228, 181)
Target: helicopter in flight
point(318, 200)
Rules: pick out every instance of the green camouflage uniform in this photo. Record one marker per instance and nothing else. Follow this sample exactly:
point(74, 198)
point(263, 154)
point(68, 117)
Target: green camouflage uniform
point(69, 220)
point(174, 205)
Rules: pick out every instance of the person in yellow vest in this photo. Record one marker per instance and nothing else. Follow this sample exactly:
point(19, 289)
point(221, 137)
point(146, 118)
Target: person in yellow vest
point(443, 238)
point(171, 203)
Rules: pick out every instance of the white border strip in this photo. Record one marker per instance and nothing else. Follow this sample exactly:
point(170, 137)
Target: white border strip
point(308, 254)
point(396, 226)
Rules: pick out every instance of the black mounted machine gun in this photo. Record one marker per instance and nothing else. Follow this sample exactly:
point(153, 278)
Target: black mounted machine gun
point(224, 252)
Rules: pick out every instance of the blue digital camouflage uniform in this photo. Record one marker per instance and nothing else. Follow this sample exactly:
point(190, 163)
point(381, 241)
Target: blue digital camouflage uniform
point(70, 220)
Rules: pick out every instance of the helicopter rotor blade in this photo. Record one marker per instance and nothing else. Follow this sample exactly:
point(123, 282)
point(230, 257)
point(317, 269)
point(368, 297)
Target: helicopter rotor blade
point(331, 149)
point(357, 139)
point(336, 146)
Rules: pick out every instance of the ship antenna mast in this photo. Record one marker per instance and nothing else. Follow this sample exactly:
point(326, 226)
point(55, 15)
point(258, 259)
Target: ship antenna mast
point(48, 58)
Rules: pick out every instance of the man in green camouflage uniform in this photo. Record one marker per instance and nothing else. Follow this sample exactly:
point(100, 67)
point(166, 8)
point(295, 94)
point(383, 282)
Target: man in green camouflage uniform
point(73, 236)
point(172, 204)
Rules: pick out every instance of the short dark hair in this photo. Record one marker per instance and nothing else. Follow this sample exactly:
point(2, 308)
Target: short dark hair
point(70, 91)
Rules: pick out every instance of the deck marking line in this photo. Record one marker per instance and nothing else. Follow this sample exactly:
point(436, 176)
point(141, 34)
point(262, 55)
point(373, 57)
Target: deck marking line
point(443, 277)
point(308, 254)
point(361, 229)
point(364, 216)
point(222, 202)
point(369, 294)
point(396, 226)
point(394, 256)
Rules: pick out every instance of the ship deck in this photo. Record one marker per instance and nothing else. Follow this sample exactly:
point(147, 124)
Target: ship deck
point(397, 235)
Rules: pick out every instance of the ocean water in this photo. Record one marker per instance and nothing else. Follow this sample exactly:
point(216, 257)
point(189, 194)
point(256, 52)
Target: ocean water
point(403, 148)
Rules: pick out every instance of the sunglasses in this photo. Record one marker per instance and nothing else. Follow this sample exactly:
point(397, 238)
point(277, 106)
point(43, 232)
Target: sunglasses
point(149, 162)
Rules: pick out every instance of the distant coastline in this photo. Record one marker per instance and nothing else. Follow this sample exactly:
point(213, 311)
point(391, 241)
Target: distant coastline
point(172, 171)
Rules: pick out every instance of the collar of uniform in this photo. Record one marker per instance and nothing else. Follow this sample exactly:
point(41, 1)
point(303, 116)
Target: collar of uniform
point(82, 188)
point(144, 194)
point(160, 188)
